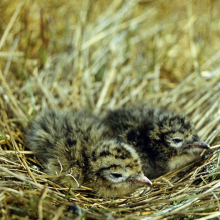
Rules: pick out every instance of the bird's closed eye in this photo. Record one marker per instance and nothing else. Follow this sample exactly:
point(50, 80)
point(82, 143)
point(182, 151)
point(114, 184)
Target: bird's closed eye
point(177, 140)
point(115, 175)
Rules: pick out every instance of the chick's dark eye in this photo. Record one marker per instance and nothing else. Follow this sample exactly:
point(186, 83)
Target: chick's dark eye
point(177, 140)
point(115, 175)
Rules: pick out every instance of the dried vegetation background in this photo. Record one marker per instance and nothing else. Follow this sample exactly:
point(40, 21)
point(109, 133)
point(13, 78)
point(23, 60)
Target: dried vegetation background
point(108, 54)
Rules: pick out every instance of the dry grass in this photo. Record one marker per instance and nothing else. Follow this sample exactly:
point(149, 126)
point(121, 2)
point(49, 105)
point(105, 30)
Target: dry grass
point(108, 54)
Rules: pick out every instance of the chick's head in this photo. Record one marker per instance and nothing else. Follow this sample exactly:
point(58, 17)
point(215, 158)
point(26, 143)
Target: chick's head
point(116, 170)
point(176, 137)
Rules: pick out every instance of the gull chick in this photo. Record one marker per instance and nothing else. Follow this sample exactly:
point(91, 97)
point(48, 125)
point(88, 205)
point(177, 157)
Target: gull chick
point(164, 140)
point(73, 147)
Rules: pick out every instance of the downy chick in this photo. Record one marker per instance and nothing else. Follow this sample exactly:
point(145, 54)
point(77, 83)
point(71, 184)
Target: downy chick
point(165, 141)
point(73, 147)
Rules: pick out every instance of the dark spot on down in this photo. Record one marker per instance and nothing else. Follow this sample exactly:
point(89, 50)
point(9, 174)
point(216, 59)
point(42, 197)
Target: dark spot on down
point(44, 126)
point(132, 136)
point(123, 157)
point(123, 154)
point(105, 154)
point(118, 150)
point(71, 142)
point(93, 156)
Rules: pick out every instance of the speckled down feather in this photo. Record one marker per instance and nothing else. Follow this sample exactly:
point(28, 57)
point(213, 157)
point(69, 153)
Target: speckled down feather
point(164, 140)
point(74, 147)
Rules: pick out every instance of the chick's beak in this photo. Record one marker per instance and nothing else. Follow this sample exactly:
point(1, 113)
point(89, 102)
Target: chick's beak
point(199, 144)
point(142, 180)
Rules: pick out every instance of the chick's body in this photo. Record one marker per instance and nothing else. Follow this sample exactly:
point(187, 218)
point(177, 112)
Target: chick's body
point(73, 147)
point(164, 140)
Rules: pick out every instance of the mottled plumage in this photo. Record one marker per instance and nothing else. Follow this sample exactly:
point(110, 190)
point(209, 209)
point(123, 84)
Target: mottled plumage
point(164, 140)
point(73, 146)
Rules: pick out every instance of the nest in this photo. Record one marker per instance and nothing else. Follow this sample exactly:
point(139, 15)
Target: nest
point(100, 55)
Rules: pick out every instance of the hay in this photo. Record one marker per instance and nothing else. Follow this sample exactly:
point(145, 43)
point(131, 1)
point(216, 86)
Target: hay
point(99, 55)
